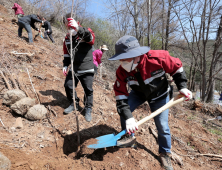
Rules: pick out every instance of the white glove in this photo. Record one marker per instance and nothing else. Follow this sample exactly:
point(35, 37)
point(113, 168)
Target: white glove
point(131, 125)
point(187, 93)
point(100, 64)
point(73, 24)
point(64, 70)
point(48, 30)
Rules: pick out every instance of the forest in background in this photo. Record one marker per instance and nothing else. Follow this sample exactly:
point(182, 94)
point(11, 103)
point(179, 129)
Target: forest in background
point(190, 30)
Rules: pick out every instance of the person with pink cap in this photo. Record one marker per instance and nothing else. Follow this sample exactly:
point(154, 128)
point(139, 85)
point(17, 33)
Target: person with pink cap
point(97, 56)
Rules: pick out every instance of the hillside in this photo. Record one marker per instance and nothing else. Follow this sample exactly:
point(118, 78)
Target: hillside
point(51, 143)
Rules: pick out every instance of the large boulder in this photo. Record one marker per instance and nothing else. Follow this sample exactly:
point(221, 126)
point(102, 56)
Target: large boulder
point(12, 96)
point(5, 163)
point(22, 106)
point(36, 112)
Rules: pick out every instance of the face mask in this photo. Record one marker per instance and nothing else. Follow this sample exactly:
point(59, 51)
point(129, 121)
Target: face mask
point(72, 32)
point(128, 65)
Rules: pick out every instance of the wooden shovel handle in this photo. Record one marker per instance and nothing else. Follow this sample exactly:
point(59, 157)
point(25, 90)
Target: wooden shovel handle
point(178, 99)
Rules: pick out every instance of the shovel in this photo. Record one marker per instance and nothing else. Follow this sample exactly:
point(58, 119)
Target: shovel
point(39, 32)
point(111, 139)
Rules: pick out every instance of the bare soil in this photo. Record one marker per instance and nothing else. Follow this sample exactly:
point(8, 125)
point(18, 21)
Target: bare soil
point(52, 143)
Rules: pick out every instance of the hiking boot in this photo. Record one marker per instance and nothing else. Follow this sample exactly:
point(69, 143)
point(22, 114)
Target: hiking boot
point(166, 161)
point(127, 141)
point(71, 108)
point(88, 116)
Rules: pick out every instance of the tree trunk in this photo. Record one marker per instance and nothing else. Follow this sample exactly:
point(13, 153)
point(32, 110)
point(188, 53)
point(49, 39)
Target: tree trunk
point(149, 22)
point(210, 96)
point(163, 21)
point(136, 19)
point(168, 25)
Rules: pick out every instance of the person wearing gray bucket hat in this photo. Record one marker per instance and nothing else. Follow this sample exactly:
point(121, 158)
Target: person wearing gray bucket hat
point(128, 47)
point(143, 70)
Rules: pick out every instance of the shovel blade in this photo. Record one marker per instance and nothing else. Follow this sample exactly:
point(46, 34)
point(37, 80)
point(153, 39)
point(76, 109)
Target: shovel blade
point(107, 140)
point(103, 145)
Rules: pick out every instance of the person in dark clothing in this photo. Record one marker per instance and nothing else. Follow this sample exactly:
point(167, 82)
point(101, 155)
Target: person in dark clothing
point(220, 97)
point(82, 41)
point(170, 81)
point(27, 22)
point(144, 71)
point(48, 30)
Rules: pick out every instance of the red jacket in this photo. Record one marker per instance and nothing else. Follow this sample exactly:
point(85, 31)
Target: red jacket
point(18, 9)
point(148, 79)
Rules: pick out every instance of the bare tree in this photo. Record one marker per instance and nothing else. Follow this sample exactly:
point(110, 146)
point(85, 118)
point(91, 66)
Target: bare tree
point(197, 20)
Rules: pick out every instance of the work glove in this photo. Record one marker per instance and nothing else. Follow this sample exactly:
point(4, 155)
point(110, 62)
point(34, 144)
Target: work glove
point(100, 64)
point(131, 125)
point(64, 70)
point(73, 24)
point(187, 93)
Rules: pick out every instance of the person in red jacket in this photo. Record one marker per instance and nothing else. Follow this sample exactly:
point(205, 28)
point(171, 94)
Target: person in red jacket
point(18, 10)
point(144, 71)
point(82, 41)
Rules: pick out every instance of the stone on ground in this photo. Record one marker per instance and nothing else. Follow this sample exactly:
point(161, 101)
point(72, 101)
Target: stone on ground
point(18, 123)
point(36, 112)
point(5, 163)
point(22, 106)
point(12, 96)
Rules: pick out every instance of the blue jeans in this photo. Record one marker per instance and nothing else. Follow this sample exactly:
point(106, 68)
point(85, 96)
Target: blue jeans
point(161, 120)
point(27, 27)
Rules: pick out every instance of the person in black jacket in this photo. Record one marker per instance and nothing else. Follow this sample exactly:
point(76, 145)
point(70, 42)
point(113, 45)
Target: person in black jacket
point(48, 30)
point(27, 22)
point(82, 41)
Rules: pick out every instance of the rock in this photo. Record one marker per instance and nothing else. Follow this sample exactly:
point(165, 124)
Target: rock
point(108, 86)
point(18, 123)
point(5, 163)
point(36, 112)
point(143, 130)
point(22, 106)
point(127, 153)
point(12, 96)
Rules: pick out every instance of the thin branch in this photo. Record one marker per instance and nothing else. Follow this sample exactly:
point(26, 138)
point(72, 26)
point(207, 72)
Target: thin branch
point(6, 81)
point(33, 86)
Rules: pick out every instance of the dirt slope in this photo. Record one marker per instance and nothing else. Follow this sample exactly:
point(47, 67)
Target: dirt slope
point(52, 143)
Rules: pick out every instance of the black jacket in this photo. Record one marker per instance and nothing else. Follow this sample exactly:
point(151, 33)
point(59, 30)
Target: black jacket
point(47, 26)
point(30, 19)
point(83, 60)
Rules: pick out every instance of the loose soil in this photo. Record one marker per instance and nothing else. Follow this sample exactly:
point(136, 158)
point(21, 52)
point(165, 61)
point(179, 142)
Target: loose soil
point(52, 143)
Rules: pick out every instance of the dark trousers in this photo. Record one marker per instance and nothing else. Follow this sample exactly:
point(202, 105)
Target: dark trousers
point(48, 34)
point(95, 69)
point(86, 82)
point(171, 92)
point(27, 27)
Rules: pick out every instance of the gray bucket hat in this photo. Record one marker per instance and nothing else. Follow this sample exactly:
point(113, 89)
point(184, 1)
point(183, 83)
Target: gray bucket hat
point(128, 47)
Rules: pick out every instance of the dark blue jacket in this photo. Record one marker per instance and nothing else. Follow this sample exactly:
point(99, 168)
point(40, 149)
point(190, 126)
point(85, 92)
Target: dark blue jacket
point(30, 19)
point(47, 26)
